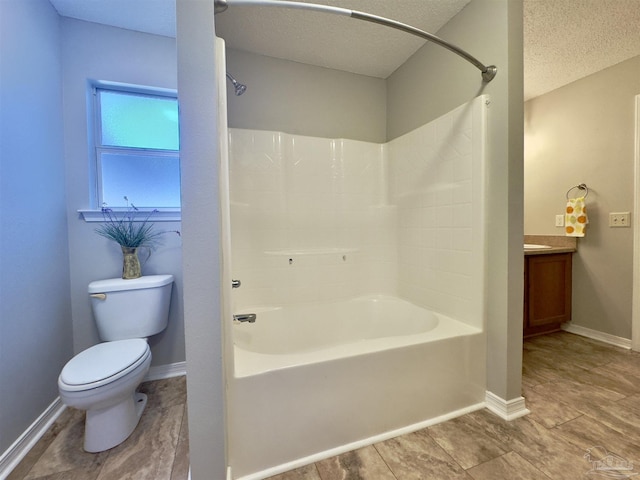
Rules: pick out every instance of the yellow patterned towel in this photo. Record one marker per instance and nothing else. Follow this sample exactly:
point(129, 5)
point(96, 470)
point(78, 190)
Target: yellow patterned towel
point(575, 218)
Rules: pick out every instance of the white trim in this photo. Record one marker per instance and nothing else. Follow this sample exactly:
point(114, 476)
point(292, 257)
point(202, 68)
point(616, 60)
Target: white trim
point(506, 409)
point(159, 215)
point(161, 372)
point(596, 335)
point(635, 309)
point(133, 88)
point(17, 451)
point(269, 472)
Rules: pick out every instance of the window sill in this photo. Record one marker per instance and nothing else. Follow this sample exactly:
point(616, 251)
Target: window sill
point(166, 215)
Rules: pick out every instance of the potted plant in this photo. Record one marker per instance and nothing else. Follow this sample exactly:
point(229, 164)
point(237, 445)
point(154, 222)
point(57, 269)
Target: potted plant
point(131, 230)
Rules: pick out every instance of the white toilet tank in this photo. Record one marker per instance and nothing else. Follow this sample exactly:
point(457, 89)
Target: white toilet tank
point(136, 308)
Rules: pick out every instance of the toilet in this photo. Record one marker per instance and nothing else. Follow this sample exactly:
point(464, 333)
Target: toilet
point(103, 379)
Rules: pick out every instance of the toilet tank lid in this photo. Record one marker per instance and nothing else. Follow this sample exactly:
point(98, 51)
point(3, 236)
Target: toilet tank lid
point(118, 284)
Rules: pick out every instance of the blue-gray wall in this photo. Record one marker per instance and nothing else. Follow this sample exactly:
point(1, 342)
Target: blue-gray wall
point(35, 307)
point(98, 52)
point(48, 254)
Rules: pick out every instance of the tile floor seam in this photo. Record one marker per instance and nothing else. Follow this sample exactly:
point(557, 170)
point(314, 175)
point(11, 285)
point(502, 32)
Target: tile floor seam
point(176, 460)
point(488, 460)
point(503, 455)
point(594, 419)
point(315, 467)
point(566, 421)
point(444, 450)
point(375, 445)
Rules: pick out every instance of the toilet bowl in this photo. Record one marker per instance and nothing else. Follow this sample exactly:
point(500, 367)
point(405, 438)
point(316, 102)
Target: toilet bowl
point(102, 380)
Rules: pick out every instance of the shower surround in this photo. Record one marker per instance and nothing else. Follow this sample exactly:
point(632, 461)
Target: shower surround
point(318, 221)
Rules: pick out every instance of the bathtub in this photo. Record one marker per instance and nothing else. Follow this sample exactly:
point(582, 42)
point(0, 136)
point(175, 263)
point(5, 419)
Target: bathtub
point(314, 381)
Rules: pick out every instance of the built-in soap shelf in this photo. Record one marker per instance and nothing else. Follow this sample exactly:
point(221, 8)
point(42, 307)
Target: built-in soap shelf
point(315, 255)
point(310, 251)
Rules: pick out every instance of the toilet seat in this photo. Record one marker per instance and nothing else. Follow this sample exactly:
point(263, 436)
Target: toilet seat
point(103, 364)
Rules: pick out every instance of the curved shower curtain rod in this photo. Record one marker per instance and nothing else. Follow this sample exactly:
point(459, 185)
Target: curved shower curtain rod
point(488, 72)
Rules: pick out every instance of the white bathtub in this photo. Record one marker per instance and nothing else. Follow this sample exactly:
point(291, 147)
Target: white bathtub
point(314, 381)
point(303, 334)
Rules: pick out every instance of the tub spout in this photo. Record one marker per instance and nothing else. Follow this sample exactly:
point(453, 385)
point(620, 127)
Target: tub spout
point(245, 317)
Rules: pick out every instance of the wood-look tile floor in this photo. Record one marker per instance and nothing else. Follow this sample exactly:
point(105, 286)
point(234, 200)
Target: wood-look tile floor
point(584, 398)
point(158, 449)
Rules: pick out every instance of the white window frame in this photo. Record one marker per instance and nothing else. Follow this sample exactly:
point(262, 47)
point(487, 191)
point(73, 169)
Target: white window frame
point(94, 214)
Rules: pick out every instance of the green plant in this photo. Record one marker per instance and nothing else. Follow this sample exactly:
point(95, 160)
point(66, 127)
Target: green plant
point(131, 228)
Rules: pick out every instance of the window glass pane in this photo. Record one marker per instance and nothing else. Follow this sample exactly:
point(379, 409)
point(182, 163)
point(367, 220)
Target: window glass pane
point(136, 120)
point(146, 180)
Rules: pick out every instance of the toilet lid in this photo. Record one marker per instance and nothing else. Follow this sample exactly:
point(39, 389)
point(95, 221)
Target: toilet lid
point(105, 361)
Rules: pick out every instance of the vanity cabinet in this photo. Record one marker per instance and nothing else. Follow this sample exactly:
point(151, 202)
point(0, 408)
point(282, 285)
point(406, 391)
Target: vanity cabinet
point(547, 292)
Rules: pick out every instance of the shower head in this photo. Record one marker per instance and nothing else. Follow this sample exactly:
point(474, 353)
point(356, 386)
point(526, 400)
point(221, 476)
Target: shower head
point(239, 87)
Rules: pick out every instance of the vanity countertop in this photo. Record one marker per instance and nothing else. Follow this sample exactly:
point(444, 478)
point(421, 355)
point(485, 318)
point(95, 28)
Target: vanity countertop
point(549, 244)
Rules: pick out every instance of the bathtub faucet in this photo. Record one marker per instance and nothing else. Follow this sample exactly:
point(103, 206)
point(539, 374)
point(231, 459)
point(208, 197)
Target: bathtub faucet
point(245, 317)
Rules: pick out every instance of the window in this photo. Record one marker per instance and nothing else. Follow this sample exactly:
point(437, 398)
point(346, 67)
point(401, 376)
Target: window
point(136, 148)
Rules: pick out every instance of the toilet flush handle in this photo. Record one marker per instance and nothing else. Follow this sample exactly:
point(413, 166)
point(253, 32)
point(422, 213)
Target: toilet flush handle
point(100, 296)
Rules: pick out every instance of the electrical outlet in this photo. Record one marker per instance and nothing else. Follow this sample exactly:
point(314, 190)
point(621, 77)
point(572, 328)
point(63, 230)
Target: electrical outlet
point(559, 220)
point(619, 219)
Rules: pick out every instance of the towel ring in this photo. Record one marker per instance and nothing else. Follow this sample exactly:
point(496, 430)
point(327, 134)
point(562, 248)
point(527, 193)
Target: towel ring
point(582, 186)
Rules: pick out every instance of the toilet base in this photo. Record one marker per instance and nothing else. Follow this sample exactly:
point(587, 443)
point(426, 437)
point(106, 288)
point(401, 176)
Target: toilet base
point(105, 428)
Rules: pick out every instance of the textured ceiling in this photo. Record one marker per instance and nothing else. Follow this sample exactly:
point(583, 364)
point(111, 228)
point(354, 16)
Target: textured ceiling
point(564, 40)
point(336, 42)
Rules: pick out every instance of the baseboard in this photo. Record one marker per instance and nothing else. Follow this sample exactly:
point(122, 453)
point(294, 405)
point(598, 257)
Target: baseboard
point(506, 409)
point(17, 451)
point(161, 372)
point(596, 335)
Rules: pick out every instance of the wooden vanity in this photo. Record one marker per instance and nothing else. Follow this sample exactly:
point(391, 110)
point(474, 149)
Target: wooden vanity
point(547, 283)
